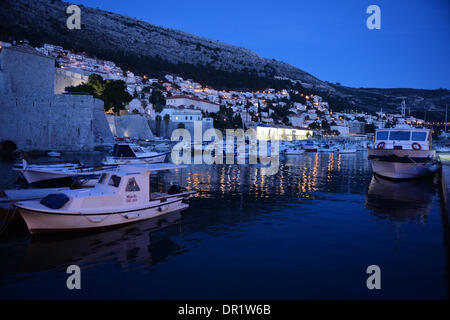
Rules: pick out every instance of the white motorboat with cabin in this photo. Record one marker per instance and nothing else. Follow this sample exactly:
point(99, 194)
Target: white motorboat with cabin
point(134, 154)
point(120, 196)
point(403, 152)
point(327, 147)
point(347, 149)
point(294, 151)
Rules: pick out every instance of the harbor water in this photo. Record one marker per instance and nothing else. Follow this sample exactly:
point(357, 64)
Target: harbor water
point(308, 232)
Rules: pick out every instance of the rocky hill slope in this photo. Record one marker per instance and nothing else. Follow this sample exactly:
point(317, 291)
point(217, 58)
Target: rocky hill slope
point(149, 49)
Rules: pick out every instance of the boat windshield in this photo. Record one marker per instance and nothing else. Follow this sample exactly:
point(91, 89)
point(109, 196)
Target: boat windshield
point(114, 181)
point(419, 136)
point(103, 178)
point(400, 135)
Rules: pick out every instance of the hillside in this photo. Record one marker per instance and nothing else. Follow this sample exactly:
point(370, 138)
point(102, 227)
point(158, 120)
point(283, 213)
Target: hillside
point(148, 49)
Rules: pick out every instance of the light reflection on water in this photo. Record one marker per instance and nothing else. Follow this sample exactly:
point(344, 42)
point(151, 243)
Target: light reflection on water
point(307, 232)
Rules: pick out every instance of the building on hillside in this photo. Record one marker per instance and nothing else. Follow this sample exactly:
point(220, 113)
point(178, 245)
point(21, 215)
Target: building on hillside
point(204, 105)
point(281, 133)
point(343, 130)
point(297, 120)
point(182, 114)
point(356, 127)
point(135, 106)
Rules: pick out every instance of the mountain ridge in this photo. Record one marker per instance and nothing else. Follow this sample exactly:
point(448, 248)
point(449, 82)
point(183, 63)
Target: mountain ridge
point(149, 49)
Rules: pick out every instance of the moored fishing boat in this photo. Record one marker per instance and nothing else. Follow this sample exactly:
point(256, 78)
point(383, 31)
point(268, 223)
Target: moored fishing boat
point(294, 151)
point(63, 174)
point(121, 196)
point(134, 154)
point(403, 152)
point(310, 146)
point(347, 149)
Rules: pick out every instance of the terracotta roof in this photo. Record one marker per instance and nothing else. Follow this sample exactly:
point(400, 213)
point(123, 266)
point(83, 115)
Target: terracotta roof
point(25, 48)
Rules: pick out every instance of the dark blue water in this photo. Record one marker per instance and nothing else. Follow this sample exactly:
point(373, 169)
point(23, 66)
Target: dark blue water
point(308, 232)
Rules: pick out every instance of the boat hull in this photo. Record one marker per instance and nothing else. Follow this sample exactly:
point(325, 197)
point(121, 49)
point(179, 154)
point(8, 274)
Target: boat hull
point(37, 177)
point(149, 160)
point(402, 164)
point(398, 170)
point(43, 222)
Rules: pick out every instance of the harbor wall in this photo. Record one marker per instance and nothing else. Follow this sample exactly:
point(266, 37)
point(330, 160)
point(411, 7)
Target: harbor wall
point(445, 182)
point(34, 118)
point(165, 129)
point(132, 125)
point(29, 72)
point(60, 122)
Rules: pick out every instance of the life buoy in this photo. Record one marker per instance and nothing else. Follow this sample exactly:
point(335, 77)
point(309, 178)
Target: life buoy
point(416, 146)
point(381, 145)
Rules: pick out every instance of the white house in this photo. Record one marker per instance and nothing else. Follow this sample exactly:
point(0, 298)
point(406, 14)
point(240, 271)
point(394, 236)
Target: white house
point(135, 104)
point(182, 115)
point(198, 103)
point(297, 120)
point(343, 130)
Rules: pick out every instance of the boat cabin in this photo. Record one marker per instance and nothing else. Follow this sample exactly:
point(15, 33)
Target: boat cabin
point(403, 139)
point(129, 186)
point(127, 151)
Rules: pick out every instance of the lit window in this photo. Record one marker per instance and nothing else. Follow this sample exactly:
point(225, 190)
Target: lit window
point(132, 185)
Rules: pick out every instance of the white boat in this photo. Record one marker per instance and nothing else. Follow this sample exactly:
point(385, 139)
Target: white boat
point(347, 149)
point(310, 146)
point(403, 152)
point(294, 151)
point(134, 154)
point(163, 147)
point(443, 148)
point(54, 154)
point(83, 176)
point(8, 197)
point(120, 196)
point(327, 148)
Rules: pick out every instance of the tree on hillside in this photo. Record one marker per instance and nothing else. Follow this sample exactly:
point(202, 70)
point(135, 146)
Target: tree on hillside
point(314, 126)
point(166, 122)
point(158, 124)
point(113, 92)
point(115, 95)
point(157, 100)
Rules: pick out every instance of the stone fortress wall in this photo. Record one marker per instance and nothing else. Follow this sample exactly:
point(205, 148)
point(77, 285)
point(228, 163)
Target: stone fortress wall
point(65, 78)
point(33, 117)
point(132, 125)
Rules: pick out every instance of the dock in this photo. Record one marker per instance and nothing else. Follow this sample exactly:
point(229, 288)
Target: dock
point(445, 182)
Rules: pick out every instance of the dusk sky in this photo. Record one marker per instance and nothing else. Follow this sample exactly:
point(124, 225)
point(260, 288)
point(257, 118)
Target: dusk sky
point(328, 39)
